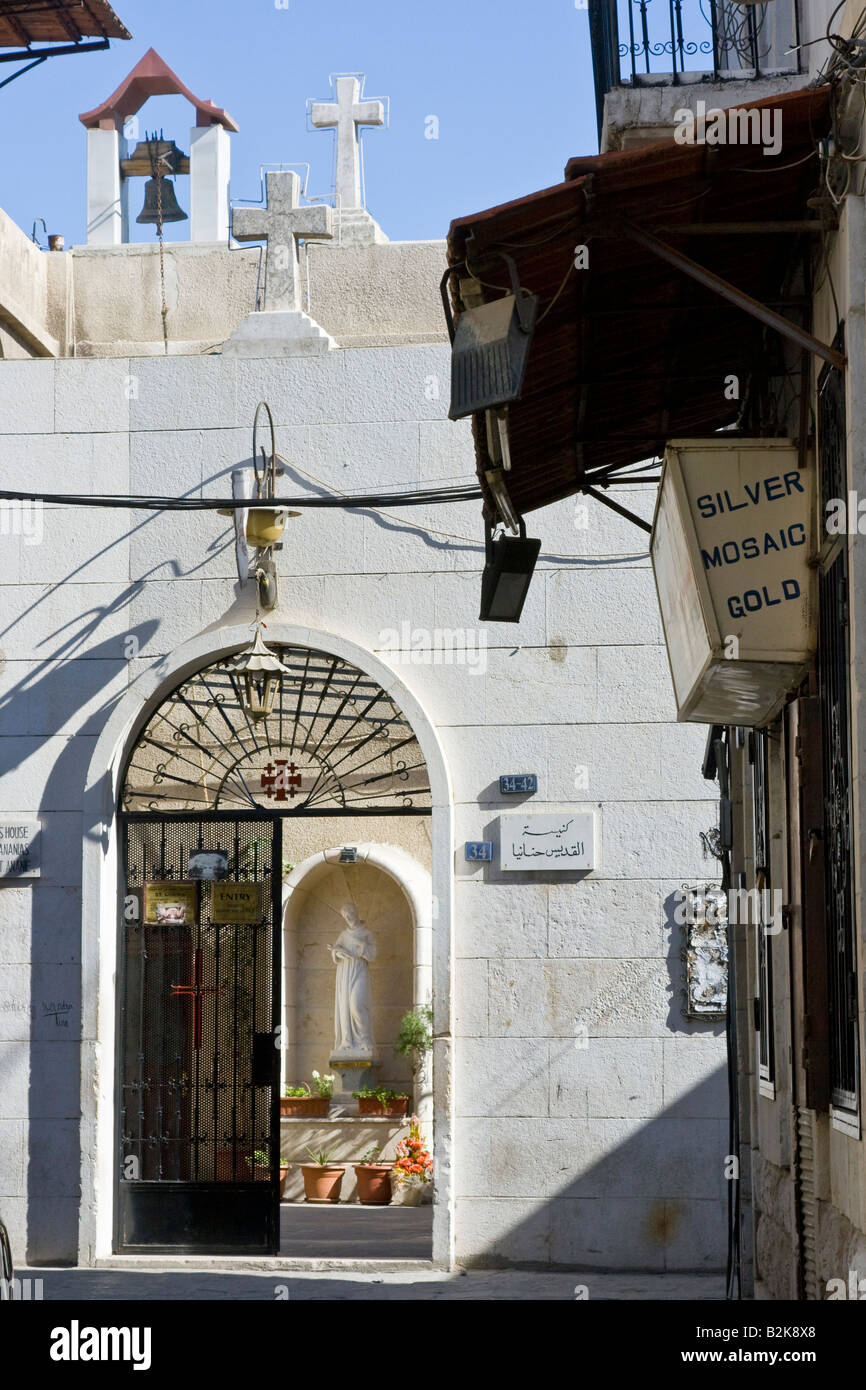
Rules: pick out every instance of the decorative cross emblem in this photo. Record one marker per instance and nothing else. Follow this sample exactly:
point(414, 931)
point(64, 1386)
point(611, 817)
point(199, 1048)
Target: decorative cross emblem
point(281, 223)
point(347, 113)
point(280, 779)
point(196, 992)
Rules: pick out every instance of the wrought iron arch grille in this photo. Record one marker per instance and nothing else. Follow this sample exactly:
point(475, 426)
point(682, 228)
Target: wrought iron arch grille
point(335, 742)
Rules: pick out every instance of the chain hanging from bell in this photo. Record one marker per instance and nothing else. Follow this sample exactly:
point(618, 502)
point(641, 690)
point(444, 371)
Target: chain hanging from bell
point(154, 190)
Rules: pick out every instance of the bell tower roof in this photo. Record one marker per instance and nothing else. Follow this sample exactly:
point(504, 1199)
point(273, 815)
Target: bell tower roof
point(151, 77)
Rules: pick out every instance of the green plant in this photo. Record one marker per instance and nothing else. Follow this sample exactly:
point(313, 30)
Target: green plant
point(324, 1084)
point(380, 1094)
point(322, 1157)
point(415, 1038)
point(261, 1159)
point(301, 1091)
point(371, 1155)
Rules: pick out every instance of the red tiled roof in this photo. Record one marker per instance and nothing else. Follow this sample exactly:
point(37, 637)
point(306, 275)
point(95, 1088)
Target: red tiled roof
point(24, 22)
point(632, 352)
point(151, 77)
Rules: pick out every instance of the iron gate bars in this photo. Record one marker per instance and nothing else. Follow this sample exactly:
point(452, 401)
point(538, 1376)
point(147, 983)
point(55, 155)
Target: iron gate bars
point(198, 1126)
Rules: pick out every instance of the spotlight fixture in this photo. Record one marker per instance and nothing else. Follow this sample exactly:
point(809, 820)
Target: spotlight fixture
point(507, 574)
point(490, 347)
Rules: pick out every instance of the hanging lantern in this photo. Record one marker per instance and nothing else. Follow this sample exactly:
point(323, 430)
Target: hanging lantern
point(261, 672)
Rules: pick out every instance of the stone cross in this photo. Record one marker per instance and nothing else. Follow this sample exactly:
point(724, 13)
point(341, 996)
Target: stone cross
point(281, 223)
point(347, 113)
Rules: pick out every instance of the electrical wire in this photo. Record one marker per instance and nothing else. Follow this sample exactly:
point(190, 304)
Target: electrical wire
point(427, 497)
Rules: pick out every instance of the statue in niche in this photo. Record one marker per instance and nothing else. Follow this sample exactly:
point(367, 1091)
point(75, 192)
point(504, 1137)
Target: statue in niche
point(353, 1013)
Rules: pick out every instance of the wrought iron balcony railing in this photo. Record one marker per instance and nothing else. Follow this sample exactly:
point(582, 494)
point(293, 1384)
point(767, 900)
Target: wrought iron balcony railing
point(663, 42)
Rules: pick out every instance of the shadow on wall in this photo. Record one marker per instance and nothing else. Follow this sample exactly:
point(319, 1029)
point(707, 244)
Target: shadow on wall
point(47, 774)
point(651, 1194)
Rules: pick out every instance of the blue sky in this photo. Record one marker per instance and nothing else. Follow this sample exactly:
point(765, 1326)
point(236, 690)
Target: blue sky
point(509, 80)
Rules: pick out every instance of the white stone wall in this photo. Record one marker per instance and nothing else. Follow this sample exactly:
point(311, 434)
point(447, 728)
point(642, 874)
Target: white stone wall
point(106, 301)
point(609, 1155)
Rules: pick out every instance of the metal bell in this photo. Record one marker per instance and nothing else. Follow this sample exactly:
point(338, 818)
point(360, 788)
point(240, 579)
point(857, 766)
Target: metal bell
point(171, 210)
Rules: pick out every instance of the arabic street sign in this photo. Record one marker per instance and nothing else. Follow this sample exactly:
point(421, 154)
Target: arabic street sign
point(547, 843)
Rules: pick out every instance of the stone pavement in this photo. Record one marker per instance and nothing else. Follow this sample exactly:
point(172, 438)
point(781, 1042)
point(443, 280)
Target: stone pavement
point(98, 1285)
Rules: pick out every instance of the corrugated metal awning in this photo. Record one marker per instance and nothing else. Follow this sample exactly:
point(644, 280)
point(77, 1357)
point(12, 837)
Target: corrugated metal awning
point(630, 352)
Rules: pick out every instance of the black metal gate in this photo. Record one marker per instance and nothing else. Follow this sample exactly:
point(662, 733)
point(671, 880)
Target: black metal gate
point(198, 1141)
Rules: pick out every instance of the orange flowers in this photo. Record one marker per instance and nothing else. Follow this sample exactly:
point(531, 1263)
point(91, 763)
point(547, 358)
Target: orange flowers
point(413, 1162)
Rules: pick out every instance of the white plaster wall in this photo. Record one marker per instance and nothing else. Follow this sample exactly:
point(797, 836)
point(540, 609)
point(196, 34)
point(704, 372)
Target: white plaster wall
point(609, 1155)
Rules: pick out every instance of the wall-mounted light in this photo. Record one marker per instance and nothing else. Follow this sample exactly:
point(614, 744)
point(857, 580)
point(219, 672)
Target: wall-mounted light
point(507, 574)
point(490, 345)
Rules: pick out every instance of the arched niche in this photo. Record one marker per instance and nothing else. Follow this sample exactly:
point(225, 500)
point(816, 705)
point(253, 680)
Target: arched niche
point(393, 893)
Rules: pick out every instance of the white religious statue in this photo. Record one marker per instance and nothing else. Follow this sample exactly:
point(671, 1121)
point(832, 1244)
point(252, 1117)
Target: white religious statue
point(353, 1013)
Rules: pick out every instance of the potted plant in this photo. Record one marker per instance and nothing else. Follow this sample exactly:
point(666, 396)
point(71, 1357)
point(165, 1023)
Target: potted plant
point(322, 1178)
point(261, 1166)
point(375, 1100)
point(374, 1179)
point(412, 1170)
point(415, 1038)
point(297, 1101)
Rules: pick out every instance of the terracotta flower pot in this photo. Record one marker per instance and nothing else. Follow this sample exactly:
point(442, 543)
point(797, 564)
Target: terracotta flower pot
point(262, 1173)
point(298, 1106)
point(322, 1181)
point(369, 1105)
point(415, 1194)
point(374, 1184)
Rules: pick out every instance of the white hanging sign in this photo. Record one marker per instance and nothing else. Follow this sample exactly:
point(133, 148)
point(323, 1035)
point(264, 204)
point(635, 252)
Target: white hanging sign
point(732, 550)
point(547, 842)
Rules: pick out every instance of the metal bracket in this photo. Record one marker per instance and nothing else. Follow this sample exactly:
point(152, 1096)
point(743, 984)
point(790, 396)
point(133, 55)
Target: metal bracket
point(743, 301)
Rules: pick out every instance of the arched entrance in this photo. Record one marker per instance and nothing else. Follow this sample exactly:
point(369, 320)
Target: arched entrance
point(187, 756)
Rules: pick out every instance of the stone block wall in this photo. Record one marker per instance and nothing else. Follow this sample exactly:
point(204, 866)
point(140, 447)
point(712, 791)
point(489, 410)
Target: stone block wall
point(590, 1113)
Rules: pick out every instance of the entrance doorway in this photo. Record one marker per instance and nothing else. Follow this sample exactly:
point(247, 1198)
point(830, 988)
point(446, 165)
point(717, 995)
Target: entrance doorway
point(219, 809)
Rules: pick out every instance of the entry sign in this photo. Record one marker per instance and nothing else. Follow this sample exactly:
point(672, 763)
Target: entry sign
point(20, 847)
point(547, 843)
point(731, 544)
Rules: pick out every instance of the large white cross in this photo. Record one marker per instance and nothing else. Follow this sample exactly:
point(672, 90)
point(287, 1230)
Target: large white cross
point(347, 113)
point(281, 223)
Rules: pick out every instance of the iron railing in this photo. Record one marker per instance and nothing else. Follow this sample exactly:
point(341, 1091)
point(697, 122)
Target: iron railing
point(664, 42)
